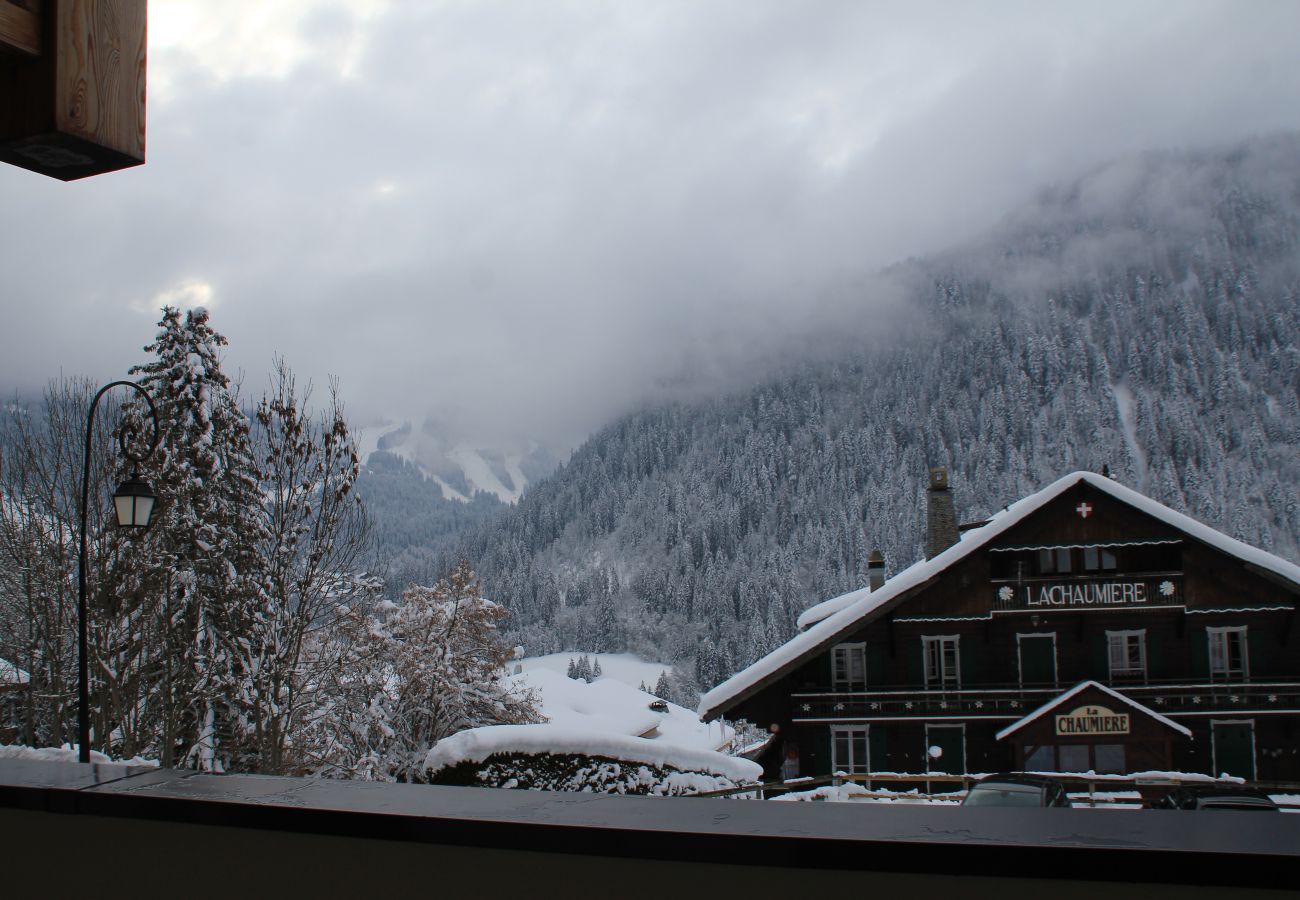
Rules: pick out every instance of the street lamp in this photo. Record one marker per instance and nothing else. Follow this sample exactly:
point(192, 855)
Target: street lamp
point(133, 503)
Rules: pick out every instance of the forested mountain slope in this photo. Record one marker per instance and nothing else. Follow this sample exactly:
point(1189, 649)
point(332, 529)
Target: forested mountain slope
point(1145, 318)
point(413, 519)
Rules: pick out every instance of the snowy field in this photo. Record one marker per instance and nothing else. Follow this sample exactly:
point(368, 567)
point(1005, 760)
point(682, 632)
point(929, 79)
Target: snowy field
point(624, 667)
point(609, 717)
point(614, 702)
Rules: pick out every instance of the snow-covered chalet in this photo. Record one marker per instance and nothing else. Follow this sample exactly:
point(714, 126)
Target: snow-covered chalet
point(1084, 627)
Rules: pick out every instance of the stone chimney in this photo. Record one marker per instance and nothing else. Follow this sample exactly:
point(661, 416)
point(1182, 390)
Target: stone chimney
point(940, 519)
point(875, 570)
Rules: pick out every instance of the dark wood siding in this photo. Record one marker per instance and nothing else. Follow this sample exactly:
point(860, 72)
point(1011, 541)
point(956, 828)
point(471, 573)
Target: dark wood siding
point(1206, 588)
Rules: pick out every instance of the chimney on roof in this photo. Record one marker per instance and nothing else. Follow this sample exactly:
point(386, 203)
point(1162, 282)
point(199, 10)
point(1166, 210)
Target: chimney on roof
point(940, 519)
point(875, 570)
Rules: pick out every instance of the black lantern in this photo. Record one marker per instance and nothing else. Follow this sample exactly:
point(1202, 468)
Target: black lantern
point(133, 500)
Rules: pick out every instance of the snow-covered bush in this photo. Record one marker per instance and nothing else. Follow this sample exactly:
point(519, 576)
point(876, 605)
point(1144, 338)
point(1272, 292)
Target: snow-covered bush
point(556, 758)
point(579, 772)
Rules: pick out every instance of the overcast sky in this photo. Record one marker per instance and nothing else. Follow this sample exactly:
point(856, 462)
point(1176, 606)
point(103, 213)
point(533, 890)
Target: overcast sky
point(526, 217)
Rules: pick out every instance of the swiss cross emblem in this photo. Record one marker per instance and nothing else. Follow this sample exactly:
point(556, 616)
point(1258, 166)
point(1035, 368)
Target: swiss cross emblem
point(1084, 509)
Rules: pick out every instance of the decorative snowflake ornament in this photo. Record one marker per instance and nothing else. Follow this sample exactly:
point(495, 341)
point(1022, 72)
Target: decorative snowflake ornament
point(1005, 594)
point(1167, 588)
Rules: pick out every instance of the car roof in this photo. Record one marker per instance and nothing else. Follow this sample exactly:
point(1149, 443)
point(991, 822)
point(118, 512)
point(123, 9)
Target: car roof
point(1217, 791)
point(1018, 778)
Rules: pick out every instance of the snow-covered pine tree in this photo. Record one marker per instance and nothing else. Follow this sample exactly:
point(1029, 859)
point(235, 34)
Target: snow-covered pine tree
point(205, 563)
point(595, 669)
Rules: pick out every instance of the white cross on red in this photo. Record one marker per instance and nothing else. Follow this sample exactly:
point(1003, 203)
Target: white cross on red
point(1084, 509)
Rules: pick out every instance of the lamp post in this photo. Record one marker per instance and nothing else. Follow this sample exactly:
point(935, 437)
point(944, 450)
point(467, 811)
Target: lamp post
point(133, 503)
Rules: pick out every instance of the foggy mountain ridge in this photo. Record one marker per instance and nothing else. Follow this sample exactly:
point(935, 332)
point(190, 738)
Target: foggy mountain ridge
point(460, 468)
point(1144, 317)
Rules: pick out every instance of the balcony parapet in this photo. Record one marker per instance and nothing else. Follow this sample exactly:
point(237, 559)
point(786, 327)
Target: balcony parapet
point(208, 835)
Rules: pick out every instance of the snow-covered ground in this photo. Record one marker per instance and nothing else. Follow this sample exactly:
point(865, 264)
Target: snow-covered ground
point(614, 703)
point(850, 792)
point(856, 793)
point(68, 754)
point(624, 667)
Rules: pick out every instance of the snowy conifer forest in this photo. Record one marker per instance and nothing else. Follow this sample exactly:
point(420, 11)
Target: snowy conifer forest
point(1144, 318)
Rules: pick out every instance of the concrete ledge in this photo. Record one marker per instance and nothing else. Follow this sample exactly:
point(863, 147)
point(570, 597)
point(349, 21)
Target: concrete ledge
point(214, 833)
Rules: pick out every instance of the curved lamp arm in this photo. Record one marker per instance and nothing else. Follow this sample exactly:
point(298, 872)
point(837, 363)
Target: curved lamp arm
point(83, 669)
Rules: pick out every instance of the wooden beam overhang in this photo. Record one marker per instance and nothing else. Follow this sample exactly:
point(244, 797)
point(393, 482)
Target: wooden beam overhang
point(1275, 578)
point(72, 85)
point(20, 28)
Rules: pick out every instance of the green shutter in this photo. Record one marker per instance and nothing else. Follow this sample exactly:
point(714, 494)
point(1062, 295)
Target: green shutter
point(1255, 652)
point(914, 650)
point(1155, 655)
point(876, 670)
point(1099, 658)
point(968, 650)
point(821, 762)
point(1201, 652)
point(878, 742)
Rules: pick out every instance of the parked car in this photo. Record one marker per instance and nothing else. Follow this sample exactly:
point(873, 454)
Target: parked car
point(1016, 789)
point(1216, 797)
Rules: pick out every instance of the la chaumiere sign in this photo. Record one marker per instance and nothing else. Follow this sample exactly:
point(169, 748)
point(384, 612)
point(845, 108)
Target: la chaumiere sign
point(1089, 720)
point(1085, 595)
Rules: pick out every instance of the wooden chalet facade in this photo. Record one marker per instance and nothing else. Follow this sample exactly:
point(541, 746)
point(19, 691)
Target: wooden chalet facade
point(1085, 627)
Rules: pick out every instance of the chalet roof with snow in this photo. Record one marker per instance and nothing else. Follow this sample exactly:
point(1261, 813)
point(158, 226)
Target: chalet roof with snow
point(831, 621)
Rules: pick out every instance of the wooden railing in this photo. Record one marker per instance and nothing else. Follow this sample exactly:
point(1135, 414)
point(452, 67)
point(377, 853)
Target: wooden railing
point(1082, 788)
point(1010, 702)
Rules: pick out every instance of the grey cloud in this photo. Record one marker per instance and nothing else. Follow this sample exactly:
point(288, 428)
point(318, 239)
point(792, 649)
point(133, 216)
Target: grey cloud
point(529, 217)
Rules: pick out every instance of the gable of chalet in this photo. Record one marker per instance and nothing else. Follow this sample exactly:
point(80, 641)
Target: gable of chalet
point(1097, 502)
point(1092, 695)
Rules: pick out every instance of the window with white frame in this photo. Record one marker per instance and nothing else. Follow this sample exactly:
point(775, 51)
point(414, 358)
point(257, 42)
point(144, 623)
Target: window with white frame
point(942, 660)
point(849, 752)
point(1128, 653)
point(1228, 654)
point(849, 667)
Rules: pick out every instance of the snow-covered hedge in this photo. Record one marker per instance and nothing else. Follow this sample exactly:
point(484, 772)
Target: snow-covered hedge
point(579, 773)
point(547, 757)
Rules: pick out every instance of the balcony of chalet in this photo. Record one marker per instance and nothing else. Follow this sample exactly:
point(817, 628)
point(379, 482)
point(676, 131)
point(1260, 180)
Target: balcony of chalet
point(1011, 701)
